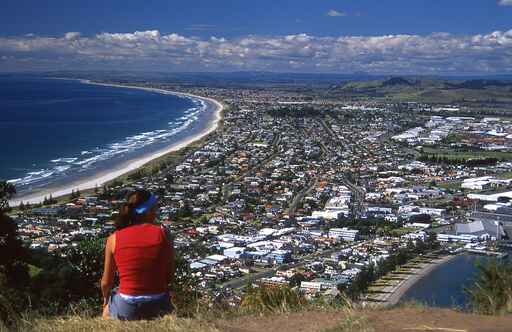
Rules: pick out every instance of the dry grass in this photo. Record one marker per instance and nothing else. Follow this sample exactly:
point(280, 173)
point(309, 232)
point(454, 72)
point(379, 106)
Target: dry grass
point(77, 324)
point(272, 299)
point(352, 321)
point(411, 304)
point(407, 317)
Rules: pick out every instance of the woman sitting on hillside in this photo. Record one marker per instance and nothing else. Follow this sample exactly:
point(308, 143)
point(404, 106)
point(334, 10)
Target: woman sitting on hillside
point(144, 257)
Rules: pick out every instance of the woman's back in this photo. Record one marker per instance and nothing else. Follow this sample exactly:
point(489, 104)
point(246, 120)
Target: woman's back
point(142, 254)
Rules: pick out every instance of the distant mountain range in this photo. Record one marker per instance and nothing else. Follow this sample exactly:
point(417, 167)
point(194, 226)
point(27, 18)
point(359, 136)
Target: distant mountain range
point(480, 84)
point(475, 91)
point(244, 77)
point(394, 81)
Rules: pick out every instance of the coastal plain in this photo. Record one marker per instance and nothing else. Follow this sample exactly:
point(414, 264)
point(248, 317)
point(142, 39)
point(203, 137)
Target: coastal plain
point(303, 194)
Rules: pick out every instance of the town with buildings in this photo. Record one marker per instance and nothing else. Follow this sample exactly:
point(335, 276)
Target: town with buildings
point(306, 191)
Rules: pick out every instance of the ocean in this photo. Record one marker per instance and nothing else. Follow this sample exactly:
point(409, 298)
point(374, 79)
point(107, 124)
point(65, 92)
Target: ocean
point(54, 131)
point(444, 286)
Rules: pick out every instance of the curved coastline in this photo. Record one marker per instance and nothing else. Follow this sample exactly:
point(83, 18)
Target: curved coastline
point(103, 177)
point(393, 293)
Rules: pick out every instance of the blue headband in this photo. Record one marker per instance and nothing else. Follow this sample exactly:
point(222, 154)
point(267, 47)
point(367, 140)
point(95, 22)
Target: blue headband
point(144, 207)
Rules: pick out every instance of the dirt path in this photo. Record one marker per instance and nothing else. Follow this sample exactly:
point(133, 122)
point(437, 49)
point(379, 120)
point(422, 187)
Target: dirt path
point(400, 319)
point(436, 320)
point(299, 322)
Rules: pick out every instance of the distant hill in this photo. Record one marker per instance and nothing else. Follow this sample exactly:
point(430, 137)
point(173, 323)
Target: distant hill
point(484, 93)
point(394, 81)
point(241, 78)
point(479, 84)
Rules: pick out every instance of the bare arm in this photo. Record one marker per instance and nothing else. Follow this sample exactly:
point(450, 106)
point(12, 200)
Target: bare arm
point(109, 270)
point(172, 258)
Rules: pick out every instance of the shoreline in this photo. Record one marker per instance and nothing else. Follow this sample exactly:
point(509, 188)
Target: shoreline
point(99, 179)
point(393, 293)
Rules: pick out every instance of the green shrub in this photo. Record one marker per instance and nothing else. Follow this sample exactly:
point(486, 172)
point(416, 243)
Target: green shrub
point(8, 315)
point(272, 299)
point(491, 294)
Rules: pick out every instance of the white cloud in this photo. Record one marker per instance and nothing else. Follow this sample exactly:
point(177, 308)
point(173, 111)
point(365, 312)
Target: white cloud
point(335, 13)
point(71, 35)
point(393, 54)
point(505, 2)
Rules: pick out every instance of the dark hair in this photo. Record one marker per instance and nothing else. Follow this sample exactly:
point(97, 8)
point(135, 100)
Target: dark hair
point(127, 215)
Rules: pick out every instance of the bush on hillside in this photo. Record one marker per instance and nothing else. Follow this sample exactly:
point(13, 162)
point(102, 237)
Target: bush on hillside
point(14, 277)
point(185, 297)
point(491, 293)
point(272, 299)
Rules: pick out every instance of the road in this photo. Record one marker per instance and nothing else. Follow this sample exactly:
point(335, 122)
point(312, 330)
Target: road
point(300, 196)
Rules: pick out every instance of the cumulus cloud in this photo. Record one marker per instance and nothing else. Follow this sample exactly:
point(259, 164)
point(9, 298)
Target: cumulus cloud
point(335, 13)
point(505, 2)
point(387, 54)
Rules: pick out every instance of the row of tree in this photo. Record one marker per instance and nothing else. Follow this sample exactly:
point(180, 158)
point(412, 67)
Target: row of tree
point(473, 162)
point(372, 272)
point(368, 227)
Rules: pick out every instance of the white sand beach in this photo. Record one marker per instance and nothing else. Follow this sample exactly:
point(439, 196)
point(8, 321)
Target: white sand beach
point(101, 178)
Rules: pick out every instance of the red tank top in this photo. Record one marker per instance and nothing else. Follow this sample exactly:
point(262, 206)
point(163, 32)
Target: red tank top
point(142, 255)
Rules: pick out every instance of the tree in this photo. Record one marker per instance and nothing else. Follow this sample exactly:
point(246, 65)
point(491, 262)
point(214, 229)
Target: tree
point(421, 218)
point(185, 295)
point(10, 245)
point(87, 258)
point(432, 242)
point(14, 277)
point(296, 279)
point(186, 210)
point(11, 249)
point(491, 292)
point(105, 193)
point(7, 191)
point(63, 281)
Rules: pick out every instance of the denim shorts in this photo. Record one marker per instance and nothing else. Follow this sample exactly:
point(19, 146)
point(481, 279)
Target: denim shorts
point(122, 309)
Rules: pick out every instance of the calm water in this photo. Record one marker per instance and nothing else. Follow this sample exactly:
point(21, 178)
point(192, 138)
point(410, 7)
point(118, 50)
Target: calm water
point(444, 286)
point(54, 130)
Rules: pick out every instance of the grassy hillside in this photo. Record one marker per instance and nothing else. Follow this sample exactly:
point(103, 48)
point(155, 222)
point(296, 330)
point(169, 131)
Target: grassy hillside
point(405, 318)
point(480, 92)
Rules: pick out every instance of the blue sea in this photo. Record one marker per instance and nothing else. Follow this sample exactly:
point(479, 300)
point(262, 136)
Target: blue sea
point(54, 131)
point(445, 285)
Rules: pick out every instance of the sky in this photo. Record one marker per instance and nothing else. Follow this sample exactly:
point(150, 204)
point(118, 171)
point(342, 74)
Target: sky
point(447, 37)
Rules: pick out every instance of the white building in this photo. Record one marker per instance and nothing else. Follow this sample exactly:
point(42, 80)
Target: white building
point(234, 252)
point(344, 233)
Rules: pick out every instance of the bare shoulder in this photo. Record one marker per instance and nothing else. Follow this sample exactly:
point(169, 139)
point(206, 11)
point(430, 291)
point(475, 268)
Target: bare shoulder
point(111, 242)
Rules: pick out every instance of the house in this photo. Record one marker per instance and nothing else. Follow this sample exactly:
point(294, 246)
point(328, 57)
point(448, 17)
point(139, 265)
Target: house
point(234, 252)
point(483, 229)
point(344, 233)
point(280, 256)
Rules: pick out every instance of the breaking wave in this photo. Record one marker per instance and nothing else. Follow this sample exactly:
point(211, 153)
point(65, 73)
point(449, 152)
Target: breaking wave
point(87, 159)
